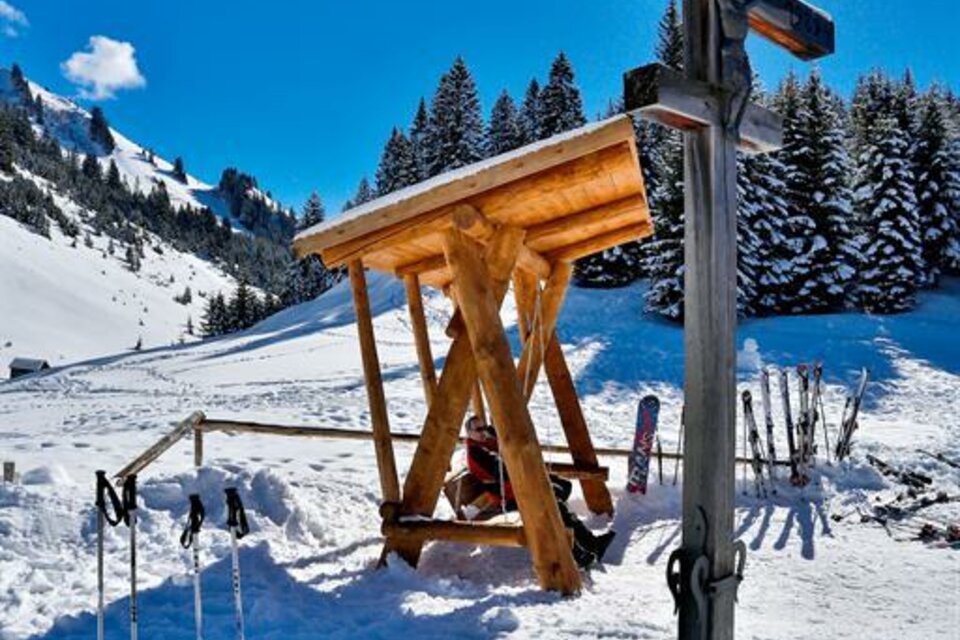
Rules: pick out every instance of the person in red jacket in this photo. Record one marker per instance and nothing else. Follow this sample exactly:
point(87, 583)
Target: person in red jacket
point(486, 465)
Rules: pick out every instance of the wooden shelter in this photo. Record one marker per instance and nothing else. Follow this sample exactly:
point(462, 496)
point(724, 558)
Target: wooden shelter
point(522, 217)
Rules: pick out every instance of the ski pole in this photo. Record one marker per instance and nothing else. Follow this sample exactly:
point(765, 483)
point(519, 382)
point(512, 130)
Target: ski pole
point(188, 540)
point(104, 490)
point(676, 464)
point(237, 523)
point(130, 517)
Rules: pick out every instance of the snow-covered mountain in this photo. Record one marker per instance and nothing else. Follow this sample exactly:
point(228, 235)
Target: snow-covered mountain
point(72, 297)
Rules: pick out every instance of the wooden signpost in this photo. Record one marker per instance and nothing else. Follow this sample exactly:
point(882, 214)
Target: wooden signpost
point(710, 103)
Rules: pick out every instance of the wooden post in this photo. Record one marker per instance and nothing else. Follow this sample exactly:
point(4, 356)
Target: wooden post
point(9, 472)
point(389, 483)
point(595, 492)
point(438, 439)
point(197, 446)
point(421, 337)
point(541, 328)
point(545, 533)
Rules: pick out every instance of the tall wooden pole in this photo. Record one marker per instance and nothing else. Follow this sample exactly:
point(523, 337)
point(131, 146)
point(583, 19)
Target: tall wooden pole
point(710, 320)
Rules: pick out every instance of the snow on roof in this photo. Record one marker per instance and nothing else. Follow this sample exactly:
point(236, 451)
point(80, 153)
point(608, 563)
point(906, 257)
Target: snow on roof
point(454, 175)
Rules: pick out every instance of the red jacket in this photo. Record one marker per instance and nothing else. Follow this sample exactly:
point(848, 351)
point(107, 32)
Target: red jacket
point(484, 462)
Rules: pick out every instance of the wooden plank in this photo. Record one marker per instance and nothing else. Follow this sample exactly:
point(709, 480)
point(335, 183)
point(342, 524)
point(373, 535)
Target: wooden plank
point(431, 460)
point(661, 94)
point(476, 533)
point(421, 337)
point(547, 538)
point(595, 493)
point(629, 233)
point(159, 447)
point(447, 190)
point(378, 240)
point(804, 30)
point(559, 231)
point(386, 464)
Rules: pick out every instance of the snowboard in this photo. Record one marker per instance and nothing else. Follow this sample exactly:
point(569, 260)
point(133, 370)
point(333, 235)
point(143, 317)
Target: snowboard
point(639, 462)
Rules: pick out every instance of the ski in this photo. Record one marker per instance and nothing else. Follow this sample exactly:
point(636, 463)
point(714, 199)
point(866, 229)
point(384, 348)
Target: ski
point(795, 477)
point(803, 419)
point(676, 462)
point(818, 411)
point(112, 516)
point(940, 457)
point(237, 523)
point(756, 461)
point(639, 462)
point(768, 420)
point(848, 423)
point(909, 478)
point(188, 540)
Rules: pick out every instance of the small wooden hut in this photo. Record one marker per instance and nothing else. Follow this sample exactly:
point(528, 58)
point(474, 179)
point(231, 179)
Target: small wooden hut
point(522, 217)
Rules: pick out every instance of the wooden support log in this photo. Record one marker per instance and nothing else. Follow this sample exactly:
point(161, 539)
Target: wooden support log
point(551, 301)
point(182, 429)
point(584, 248)
point(477, 533)
point(606, 217)
point(421, 337)
point(595, 493)
point(423, 483)
point(386, 464)
point(807, 32)
point(547, 538)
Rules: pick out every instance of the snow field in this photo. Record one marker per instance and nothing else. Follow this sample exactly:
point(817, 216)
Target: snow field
point(308, 564)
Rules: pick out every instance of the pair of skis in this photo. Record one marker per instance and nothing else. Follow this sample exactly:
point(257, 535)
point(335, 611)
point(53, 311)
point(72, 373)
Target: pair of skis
point(848, 424)
point(238, 526)
point(120, 509)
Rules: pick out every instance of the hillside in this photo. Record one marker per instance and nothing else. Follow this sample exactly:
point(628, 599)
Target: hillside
point(307, 567)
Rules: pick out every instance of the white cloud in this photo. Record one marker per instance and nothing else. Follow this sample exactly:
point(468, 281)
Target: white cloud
point(11, 18)
point(108, 66)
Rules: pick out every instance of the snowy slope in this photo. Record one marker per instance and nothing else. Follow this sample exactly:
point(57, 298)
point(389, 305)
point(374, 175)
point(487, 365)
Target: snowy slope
point(308, 565)
point(64, 303)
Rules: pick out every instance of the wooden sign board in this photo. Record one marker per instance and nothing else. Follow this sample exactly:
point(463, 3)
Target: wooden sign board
point(805, 31)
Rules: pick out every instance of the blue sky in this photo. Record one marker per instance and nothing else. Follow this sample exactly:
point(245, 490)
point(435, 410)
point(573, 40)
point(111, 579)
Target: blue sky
point(303, 94)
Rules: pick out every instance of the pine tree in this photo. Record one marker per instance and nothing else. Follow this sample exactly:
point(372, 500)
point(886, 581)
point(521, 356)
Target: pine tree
point(528, 119)
point(214, 321)
point(937, 164)
point(561, 108)
point(886, 205)
point(242, 310)
point(132, 258)
point(313, 212)
point(663, 259)
point(6, 146)
point(113, 176)
point(178, 170)
point(419, 139)
point(455, 134)
point(364, 194)
point(398, 165)
point(503, 132)
point(100, 130)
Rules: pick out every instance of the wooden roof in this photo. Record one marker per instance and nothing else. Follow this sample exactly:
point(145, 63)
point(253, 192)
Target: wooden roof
point(575, 194)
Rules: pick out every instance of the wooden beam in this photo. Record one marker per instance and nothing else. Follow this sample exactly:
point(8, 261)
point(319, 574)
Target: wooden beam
point(609, 216)
point(573, 471)
point(421, 337)
point(661, 94)
point(595, 493)
point(183, 428)
point(629, 233)
point(439, 435)
point(476, 399)
point(805, 31)
point(476, 533)
point(547, 538)
point(387, 466)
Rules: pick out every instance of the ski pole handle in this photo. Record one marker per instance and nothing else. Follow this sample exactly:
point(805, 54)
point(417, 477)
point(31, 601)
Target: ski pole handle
point(194, 521)
point(236, 515)
point(105, 490)
point(129, 497)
